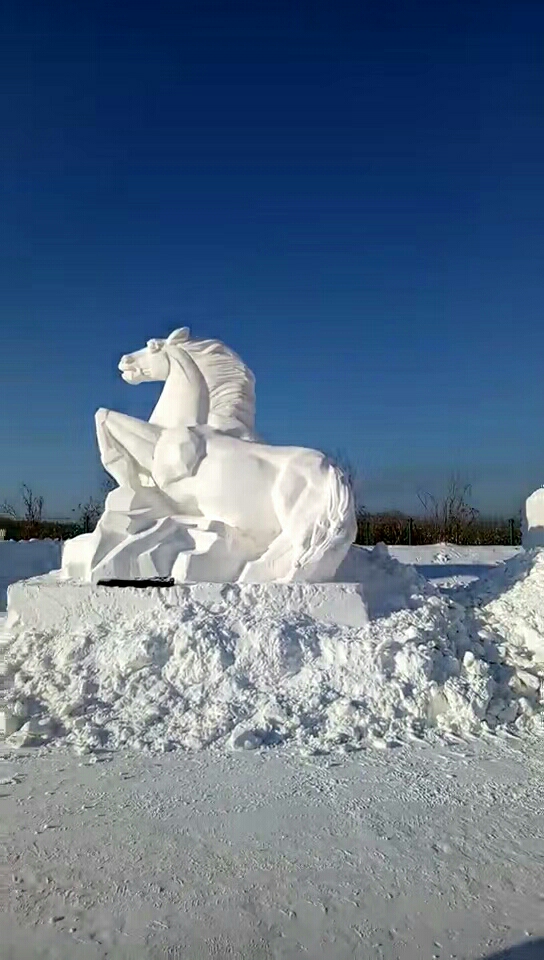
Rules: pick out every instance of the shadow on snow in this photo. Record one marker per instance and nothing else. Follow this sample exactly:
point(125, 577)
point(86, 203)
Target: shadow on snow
point(531, 950)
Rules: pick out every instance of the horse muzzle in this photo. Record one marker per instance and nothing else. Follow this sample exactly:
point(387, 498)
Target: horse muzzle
point(130, 370)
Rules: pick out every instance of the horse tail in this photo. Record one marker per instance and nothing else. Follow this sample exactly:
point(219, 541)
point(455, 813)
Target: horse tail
point(333, 529)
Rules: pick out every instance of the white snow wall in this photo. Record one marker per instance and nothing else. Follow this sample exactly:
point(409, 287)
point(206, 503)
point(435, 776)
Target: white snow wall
point(21, 559)
point(533, 520)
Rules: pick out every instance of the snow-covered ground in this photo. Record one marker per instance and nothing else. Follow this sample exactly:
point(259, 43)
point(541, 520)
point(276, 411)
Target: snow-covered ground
point(447, 565)
point(431, 852)
point(420, 850)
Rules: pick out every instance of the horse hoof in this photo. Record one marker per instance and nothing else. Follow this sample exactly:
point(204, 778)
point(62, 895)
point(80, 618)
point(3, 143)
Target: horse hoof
point(101, 414)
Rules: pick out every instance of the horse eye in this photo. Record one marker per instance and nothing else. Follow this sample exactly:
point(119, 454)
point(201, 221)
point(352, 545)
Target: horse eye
point(154, 345)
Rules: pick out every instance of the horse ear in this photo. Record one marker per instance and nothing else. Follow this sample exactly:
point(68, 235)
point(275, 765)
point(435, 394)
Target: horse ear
point(179, 336)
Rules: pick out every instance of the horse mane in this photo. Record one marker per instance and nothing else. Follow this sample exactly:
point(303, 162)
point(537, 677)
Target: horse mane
point(231, 386)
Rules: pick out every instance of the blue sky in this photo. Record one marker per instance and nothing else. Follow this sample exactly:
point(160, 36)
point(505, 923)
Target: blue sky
point(350, 195)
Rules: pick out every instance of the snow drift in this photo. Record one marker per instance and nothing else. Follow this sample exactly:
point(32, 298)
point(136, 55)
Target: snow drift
point(251, 674)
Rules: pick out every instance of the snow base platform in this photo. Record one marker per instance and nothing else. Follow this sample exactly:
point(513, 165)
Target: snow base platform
point(48, 603)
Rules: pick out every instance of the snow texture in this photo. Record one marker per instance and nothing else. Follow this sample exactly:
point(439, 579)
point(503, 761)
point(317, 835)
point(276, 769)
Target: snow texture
point(252, 674)
point(270, 855)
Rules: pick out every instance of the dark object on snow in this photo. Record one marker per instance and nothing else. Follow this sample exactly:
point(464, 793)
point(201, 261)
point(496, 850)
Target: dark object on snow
point(151, 582)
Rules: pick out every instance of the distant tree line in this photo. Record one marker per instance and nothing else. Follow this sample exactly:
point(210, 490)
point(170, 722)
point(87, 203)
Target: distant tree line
point(26, 521)
point(395, 528)
point(448, 519)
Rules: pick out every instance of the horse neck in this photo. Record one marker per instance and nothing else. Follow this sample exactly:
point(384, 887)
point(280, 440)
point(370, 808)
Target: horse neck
point(184, 400)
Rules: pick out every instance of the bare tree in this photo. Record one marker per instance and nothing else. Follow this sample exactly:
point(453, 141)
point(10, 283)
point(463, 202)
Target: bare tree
point(451, 516)
point(88, 513)
point(31, 514)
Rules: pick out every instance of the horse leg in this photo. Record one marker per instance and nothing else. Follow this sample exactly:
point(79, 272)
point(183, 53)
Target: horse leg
point(290, 492)
point(126, 445)
point(315, 509)
point(176, 456)
point(320, 518)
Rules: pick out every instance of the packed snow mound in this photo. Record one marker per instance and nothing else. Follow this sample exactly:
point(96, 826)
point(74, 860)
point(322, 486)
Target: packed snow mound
point(251, 674)
point(511, 600)
point(388, 584)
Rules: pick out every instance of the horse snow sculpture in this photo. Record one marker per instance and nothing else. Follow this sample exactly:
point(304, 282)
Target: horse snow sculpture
point(199, 497)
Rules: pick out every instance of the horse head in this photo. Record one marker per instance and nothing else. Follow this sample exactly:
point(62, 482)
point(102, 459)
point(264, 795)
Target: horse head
point(152, 362)
point(206, 382)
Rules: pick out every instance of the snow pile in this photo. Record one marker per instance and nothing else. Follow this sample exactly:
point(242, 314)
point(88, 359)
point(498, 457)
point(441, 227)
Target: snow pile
point(253, 674)
point(510, 601)
point(388, 584)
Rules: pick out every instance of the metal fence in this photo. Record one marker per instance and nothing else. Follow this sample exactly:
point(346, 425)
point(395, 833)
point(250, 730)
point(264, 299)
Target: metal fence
point(416, 531)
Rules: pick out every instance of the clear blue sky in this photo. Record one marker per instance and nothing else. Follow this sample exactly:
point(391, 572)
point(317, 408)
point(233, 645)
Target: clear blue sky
point(349, 194)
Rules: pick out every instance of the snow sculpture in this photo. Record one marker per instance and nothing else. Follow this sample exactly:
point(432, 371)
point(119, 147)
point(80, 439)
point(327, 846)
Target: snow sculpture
point(199, 497)
point(533, 520)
